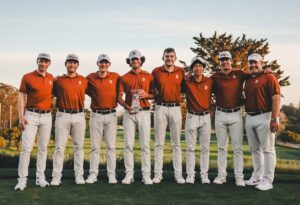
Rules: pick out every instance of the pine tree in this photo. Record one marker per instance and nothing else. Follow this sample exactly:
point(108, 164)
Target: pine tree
point(240, 47)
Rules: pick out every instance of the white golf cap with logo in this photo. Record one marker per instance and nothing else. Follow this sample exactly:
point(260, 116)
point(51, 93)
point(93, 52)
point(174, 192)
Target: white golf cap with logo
point(72, 57)
point(135, 54)
point(199, 59)
point(225, 54)
point(103, 57)
point(255, 57)
point(44, 56)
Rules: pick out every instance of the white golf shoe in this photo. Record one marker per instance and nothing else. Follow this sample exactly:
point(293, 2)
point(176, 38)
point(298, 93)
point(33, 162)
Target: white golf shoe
point(128, 179)
point(205, 180)
point(190, 179)
point(179, 179)
point(147, 180)
point(55, 182)
point(21, 185)
point(265, 185)
point(157, 179)
point(112, 179)
point(252, 181)
point(41, 182)
point(92, 178)
point(79, 180)
point(240, 182)
point(220, 180)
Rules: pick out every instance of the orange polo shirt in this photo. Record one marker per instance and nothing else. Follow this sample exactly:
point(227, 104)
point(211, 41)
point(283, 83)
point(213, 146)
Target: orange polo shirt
point(229, 88)
point(70, 92)
point(38, 89)
point(103, 91)
point(198, 94)
point(259, 91)
point(134, 81)
point(168, 84)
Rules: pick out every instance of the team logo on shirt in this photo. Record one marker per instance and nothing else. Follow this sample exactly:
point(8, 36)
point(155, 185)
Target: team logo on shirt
point(143, 79)
point(50, 82)
point(177, 76)
point(234, 76)
point(79, 82)
point(110, 81)
point(205, 87)
point(256, 81)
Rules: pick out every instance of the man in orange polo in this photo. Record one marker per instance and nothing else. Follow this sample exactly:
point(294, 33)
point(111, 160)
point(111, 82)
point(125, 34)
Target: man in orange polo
point(102, 88)
point(168, 80)
point(35, 119)
point(198, 89)
point(228, 89)
point(137, 85)
point(69, 90)
point(262, 105)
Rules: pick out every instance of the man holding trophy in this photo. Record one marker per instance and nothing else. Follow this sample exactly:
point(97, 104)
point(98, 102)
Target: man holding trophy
point(137, 85)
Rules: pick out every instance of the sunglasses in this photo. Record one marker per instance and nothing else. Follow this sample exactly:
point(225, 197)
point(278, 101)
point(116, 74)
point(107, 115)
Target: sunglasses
point(224, 59)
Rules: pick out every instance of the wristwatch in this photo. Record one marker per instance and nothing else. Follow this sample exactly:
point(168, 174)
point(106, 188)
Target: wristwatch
point(275, 119)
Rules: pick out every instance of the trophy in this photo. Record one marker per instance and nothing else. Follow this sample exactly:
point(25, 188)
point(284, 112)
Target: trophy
point(135, 105)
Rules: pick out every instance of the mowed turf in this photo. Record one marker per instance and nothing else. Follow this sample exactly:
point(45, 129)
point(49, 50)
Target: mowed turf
point(288, 159)
point(286, 191)
point(286, 186)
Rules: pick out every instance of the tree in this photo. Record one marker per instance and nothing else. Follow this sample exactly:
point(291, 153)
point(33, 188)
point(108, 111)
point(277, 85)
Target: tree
point(240, 47)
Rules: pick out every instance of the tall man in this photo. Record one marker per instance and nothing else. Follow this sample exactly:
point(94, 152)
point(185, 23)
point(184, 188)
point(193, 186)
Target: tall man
point(228, 89)
point(262, 106)
point(136, 84)
point(168, 79)
point(35, 96)
point(198, 89)
point(102, 88)
point(70, 119)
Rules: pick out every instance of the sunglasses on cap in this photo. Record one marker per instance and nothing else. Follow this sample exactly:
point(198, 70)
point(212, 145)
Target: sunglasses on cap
point(224, 59)
point(104, 61)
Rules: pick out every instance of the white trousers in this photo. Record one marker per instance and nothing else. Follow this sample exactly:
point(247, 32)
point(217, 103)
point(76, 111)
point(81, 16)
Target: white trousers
point(142, 122)
point(164, 116)
point(230, 125)
point(103, 126)
point(66, 124)
point(262, 145)
point(37, 125)
point(197, 126)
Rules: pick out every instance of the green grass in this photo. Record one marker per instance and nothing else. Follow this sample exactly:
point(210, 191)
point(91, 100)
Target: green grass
point(168, 192)
point(286, 185)
point(288, 159)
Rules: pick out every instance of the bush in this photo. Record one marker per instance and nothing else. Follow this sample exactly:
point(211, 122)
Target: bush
point(289, 136)
point(2, 142)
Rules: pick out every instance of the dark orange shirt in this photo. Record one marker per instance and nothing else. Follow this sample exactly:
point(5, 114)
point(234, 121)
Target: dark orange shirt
point(259, 91)
point(168, 84)
point(198, 94)
point(38, 89)
point(229, 88)
point(103, 91)
point(70, 92)
point(134, 81)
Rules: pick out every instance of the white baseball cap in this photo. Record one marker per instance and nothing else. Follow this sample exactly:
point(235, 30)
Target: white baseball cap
point(103, 57)
point(225, 54)
point(198, 58)
point(135, 54)
point(255, 57)
point(44, 56)
point(72, 56)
